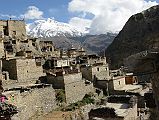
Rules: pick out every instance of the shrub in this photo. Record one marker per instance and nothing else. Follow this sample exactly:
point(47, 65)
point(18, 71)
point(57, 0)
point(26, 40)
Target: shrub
point(60, 96)
point(87, 99)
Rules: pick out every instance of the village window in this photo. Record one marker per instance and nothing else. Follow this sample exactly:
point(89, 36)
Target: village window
point(5, 30)
point(51, 49)
point(14, 42)
point(97, 69)
point(1, 34)
point(33, 44)
point(119, 82)
point(14, 32)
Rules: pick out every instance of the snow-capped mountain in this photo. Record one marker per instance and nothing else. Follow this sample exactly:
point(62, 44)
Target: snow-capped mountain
point(51, 28)
point(65, 35)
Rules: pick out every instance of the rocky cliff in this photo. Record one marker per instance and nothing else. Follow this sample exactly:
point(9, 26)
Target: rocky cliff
point(141, 32)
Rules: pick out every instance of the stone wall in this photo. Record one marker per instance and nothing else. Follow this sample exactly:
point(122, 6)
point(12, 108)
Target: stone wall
point(75, 87)
point(100, 71)
point(28, 71)
point(10, 66)
point(132, 113)
point(23, 70)
point(111, 85)
point(36, 101)
point(87, 73)
point(62, 63)
point(2, 24)
point(97, 60)
point(73, 84)
point(18, 26)
point(57, 82)
point(118, 82)
point(2, 54)
point(13, 28)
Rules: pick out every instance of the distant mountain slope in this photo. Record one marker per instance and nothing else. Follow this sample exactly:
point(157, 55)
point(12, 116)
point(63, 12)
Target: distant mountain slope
point(141, 32)
point(64, 35)
point(92, 43)
point(97, 43)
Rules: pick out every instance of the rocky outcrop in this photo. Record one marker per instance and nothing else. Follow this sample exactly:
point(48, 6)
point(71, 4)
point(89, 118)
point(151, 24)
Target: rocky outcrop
point(141, 32)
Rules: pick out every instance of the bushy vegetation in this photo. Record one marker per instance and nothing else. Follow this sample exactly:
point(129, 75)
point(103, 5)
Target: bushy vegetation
point(60, 96)
point(87, 99)
point(6, 110)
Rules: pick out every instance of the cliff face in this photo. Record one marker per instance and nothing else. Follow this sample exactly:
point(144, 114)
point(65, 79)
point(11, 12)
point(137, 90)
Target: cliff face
point(141, 32)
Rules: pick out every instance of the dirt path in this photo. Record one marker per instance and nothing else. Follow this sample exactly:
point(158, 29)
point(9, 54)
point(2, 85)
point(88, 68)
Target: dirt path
point(57, 115)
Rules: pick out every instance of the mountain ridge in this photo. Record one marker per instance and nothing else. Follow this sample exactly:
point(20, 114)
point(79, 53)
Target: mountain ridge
point(141, 32)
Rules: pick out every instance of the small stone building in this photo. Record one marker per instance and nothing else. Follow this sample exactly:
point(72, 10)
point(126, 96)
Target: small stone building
point(99, 70)
point(73, 84)
point(57, 62)
point(81, 52)
point(13, 28)
point(47, 48)
point(72, 53)
point(22, 69)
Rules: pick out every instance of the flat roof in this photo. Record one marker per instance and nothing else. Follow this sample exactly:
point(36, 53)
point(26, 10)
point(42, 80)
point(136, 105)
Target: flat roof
point(8, 92)
point(121, 109)
point(129, 88)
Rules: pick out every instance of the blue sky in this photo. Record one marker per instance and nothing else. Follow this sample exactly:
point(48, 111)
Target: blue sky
point(100, 16)
point(51, 8)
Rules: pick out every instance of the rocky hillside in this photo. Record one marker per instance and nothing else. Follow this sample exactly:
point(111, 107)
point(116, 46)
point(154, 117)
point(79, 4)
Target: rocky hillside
point(91, 43)
point(141, 32)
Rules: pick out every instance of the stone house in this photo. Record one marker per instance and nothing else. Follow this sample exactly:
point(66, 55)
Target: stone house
point(72, 53)
point(98, 71)
point(13, 29)
point(57, 62)
point(63, 54)
point(47, 48)
point(118, 85)
point(111, 85)
point(91, 59)
point(73, 84)
point(22, 69)
point(81, 51)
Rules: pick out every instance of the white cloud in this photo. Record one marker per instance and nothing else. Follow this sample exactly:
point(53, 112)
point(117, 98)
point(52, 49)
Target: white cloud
point(7, 16)
point(32, 13)
point(81, 24)
point(109, 15)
